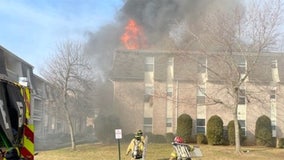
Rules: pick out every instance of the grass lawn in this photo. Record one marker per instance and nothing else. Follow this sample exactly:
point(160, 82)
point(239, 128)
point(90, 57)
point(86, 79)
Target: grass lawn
point(159, 152)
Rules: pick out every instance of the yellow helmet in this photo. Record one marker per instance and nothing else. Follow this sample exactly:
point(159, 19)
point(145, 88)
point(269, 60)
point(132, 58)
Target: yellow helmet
point(139, 132)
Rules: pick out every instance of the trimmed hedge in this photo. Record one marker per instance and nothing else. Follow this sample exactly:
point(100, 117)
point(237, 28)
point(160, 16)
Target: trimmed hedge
point(170, 137)
point(263, 131)
point(184, 127)
point(280, 143)
point(231, 133)
point(201, 139)
point(215, 130)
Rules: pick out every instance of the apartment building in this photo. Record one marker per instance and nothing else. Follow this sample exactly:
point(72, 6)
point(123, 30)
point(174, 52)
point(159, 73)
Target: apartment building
point(152, 88)
point(16, 69)
point(46, 114)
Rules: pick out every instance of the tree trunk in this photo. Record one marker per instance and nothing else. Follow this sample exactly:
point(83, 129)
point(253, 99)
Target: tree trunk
point(237, 130)
point(73, 144)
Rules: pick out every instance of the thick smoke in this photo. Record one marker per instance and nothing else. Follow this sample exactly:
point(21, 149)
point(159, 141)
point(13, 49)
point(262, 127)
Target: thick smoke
point(158, 18)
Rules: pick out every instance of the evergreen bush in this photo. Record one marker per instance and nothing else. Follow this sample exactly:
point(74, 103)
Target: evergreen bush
point(215, 130)
point(157, 138)
point(263, 131)
point(184, 127)
point(201, 138)
point(281, 143)
point(170, 137)
point(231, 133)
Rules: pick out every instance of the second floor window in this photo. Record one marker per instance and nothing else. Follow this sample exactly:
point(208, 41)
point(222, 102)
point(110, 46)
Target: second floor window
point(201, 95)
point(242, 96)
point(274, 64)
point(149, 64)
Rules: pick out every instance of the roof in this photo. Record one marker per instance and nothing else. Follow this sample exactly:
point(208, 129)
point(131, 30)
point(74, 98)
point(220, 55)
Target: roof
point(129, 64)
point(10, 54)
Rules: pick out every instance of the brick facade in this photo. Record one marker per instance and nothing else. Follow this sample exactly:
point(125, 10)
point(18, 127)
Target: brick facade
point(129, 95)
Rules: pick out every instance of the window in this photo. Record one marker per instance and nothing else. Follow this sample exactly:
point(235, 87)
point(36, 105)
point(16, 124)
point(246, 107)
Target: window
point(273, 125)
point(201, 95)
point(274, 63)
point(170, 91)
point(149, 67)
point(200, 100)
point(243, 127)
point(147, 98)
point(242, 66)
point(148, 121)
point(242, 69)
point(201, 91)
point(169, 122)
point(200, 126)
point(149, 64)
point(202, 65)
point(170, 61)
point(147, 124)
point(200, 122)
point(149, 90)
point(242, 100)
point(272, 94)
point(242, 96)
point(201, 68)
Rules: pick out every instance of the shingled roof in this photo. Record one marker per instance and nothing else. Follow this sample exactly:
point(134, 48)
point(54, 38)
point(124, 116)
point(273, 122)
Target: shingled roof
point(129, 64)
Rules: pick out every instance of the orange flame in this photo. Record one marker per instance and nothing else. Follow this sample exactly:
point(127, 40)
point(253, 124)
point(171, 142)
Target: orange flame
point(133, 37)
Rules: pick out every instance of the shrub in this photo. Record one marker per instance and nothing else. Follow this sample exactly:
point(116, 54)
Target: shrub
point(156, 138)
point(215, 130)
point(170, 137)
point(184, 127)
point(280, 143)
point(231, 133)
point(201, 138)
point(263, 131)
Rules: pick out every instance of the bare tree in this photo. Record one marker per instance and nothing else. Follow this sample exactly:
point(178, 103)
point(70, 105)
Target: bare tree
point(239, 38)
point(70, 73)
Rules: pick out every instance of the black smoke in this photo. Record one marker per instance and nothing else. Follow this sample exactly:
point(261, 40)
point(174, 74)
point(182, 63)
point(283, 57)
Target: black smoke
point(156, 17)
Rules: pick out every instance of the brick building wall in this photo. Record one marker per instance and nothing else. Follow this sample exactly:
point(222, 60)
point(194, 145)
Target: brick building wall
point(185, 96)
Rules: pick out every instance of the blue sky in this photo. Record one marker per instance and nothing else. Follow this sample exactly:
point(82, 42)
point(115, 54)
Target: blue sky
point(31, 28)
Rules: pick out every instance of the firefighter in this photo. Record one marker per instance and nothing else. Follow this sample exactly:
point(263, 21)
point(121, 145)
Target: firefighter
point(136, 147)
point(174, 155)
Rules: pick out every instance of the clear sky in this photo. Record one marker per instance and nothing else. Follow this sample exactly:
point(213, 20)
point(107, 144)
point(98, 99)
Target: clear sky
point(31, 29)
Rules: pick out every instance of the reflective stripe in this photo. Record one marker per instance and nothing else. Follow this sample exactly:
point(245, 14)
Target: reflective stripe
point(28, 102)
point(27, 98)
point(27, 150)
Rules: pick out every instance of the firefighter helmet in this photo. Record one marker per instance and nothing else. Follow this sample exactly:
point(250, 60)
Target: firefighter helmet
point(178, 139)
point(139, 132)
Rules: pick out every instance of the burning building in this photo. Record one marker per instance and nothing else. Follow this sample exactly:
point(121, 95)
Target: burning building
point(152, 88)
point(159, 73)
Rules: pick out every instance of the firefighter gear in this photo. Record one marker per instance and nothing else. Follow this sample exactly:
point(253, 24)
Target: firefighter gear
point(136, 148)
point(174, 155)
point(140, 133)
